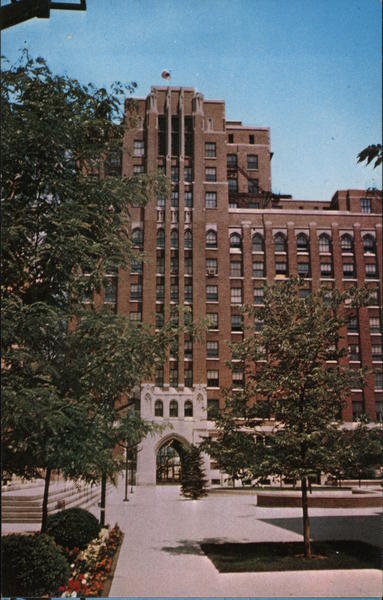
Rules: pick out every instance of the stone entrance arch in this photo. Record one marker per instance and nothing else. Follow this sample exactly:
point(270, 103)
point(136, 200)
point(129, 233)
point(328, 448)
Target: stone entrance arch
point(169, 454)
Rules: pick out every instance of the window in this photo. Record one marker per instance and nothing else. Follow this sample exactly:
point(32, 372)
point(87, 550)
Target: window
point(378, 381)
point(238, 378)
point(174, 199)
point(174, 264)
point(357, 409)
point(160, 266)
point(326, 270)
point(110, 290)
point(158, 408)
point(304, 293)
point(138, 237)
point(379, 410)
point(258, 269)
point(188, 174)
point(174, 238)
point(174, 292)
point(346, 243)
point(370, 270)
point(211, 239)
point(188, 349)
point(210, 174)
point(257, 243)
point(159, 319)
point(188, 293)
point(161, 201)
point(235, 240)
point(369, 244)
point(173, 408)
point(353, 352)
point(212, 349)
point(211, 200)
point(236, 296)
point(188, 378)
point(374, 324)
point(231, 161)
point(160, 291)
point(304, 269)
point(210, 150)
point(258, 325)
point(188, 408)
point(136, 291)
point(136, 266)
point(252, 186)
point(281, 268)
point(189, 199)
point(324, 244)
point(252, 162)
point(135, 316)
point(258, 295)
point(377, 352)
point(235, 269)
point(113, 164)
point(211, 292)
point(175, 174)
point(231, 138)
point(365, 205)
point(138, 169)
point(159, 376)
point(212, 320)
point(188, 265)
point(188, 239)
point(139, 148)
point(279, 243)
point(160, 238)
point(302, 243)
point(348, 270)
point(211, 266)
point(212, 379)
point(373, 299)
point(352, 324)
point(236, 323)
point(212, 409)
point(253, 205)
point(233, 186)
point(251, 139)
point(173, 378)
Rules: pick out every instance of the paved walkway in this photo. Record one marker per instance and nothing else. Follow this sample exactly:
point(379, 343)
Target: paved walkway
point(161, 556)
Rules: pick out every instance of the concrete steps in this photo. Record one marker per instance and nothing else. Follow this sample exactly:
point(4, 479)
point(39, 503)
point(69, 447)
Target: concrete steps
point(24, 505)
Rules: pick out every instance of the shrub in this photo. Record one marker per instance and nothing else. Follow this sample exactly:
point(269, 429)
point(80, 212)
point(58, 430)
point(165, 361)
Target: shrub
point(73, 527)
point(32, 565)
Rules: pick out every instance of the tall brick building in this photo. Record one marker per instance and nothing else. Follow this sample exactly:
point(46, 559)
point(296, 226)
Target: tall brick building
point(214, 242)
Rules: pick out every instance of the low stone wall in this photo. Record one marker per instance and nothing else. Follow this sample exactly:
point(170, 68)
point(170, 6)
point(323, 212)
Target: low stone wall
point(315, 501)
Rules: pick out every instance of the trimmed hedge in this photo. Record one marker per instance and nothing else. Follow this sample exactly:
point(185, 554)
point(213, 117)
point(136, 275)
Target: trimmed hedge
point(32, 565)
point(73, 527)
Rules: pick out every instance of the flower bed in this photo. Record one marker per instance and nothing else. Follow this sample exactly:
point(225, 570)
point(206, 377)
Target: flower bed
point(91, 567)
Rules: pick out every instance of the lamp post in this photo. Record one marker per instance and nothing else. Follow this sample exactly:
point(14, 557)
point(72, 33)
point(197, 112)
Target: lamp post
point(126, 499)
point(131, 475)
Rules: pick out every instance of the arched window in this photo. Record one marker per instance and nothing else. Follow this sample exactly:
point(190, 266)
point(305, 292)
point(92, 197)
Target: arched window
point(211, 239)
point(235, 240)
point(173, 408)
point(174, 238)
point(302, 242)
point(257, 243)
point(160, 238)
point(138, 237)
point(158, 408)
point(188, 408)
point(346, 243)
point(188, 239)
point(324, 243)
point(280, 242)
point(369, 244)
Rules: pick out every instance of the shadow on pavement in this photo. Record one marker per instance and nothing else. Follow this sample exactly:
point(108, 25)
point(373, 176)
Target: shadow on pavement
point(364, 528)
point(188, 547)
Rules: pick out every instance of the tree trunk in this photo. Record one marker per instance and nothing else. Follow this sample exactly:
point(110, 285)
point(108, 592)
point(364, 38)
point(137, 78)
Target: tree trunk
point(306, 521)
point(102, 502)
point(45, 500)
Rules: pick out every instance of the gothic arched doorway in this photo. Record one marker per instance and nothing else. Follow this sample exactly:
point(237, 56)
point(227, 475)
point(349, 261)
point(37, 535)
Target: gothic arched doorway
point(169, 462)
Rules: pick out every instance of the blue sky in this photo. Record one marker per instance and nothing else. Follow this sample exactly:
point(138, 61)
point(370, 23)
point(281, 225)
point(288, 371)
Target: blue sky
point(308, 69)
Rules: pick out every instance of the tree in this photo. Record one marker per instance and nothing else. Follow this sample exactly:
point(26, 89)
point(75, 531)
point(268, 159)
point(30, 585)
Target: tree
point(297, 395)
point(373, 152)
point(364, 450)
point(193, 482)
point(66, 226)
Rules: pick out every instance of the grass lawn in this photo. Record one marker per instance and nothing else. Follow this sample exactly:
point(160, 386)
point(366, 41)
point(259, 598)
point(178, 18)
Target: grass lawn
point(288, 556)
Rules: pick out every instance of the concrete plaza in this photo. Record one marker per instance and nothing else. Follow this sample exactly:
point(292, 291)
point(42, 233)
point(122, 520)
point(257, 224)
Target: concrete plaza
point(161, 555)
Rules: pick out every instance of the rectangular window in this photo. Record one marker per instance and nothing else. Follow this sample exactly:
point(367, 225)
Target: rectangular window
point(348, 270)
point(135, 316)
point(188, 376)
point(211, 200)
point(378, 407)
point(258, 269)
point(175, 174)
point(375, 324)
point(173, 374)
point(233, 185)
point(136, 266)
point(210, 150)
point(304, 269)
point(252, 186)
point(326, 270)
point(189, 199)
point(212, 411)
point(174, 292)
point(212, 349)
point(258, 325)
point(304, 293)
point(113, 164)
point(161, 201)
point(159, 319)
point(231, 161)
point(175, 136)
point(235, 268)
point(161, 135)
point(371, 270)
point(236, 323)
point(139, 148)
point(352, 324)
point(258, 295)
point(378, 381)
point(252, 162)
point(174, 264)
point(188, 349)
point(210, 174)
point(377, 351)
point(188, 174)
point(138, 169)
point(211, 292)
point(373, 298)
point(251, 139)
point(212, 320)
point(238, 378)
point(159, 376)
point(353, 352)
point(110, 290)
point(188, 293)
point(188, 136)
point(136, 291)
point(188, 265)
point(211, 266)
point(160, 292)
point(231, 138)
point(357, 409)
point(281, 268)
point(236, 296)
point(365, 205)
point(174, 199)
point(160, 268)
point(212, 379)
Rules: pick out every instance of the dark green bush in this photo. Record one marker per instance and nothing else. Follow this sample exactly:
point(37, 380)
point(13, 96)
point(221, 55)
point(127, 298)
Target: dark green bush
point(73, 527)
point(32, 565)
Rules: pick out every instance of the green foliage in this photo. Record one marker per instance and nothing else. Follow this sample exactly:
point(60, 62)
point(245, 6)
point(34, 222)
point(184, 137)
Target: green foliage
point(364, 451)
point(193, 482)
point(373, 152)
point(73, 527)
point(32, 565)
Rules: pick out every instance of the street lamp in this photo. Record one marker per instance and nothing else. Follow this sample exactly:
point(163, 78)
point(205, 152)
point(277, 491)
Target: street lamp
point(126, 499)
